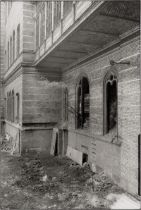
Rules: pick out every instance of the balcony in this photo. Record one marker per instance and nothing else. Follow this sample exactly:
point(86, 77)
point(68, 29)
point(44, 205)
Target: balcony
point(75, 31)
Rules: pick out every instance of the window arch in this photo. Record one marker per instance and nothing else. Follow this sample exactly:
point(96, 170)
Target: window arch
point(13, 45)
point(12, 107)
point(18, 40)
point(10, 116)
point(18, 106)
point(110, 101)
point(83, 102)
point(65, 104)
point(7, 110)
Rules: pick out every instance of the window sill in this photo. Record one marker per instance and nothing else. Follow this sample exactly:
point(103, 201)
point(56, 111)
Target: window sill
point(112, 137)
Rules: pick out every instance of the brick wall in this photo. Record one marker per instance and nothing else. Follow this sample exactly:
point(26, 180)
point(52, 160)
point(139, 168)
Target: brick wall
point(120, 162)
point(41, 99)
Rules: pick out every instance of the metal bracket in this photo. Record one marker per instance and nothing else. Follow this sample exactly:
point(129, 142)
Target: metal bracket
point(112, 62)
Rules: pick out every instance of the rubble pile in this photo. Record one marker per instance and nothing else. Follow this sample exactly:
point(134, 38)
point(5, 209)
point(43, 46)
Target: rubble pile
point(6, 143)
point(62, 180)
point(43, 182)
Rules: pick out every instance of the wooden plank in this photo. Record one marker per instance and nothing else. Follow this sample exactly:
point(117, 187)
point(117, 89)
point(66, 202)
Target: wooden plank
point(75, 155)
point(54, 133)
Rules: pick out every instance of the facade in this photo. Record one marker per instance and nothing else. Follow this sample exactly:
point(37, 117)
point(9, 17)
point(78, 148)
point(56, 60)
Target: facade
point(74, 66)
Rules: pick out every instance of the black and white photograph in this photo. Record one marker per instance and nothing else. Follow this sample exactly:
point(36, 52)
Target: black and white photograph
point(70, 104)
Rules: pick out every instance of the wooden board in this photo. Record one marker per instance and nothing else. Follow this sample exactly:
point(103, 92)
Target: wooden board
point(53, 142)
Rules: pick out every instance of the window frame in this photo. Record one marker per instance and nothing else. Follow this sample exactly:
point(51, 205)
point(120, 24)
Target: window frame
point(14, 45)
point(81, 124)
point(18, 107)
point(105, 82)
point(42, 23)
point(18, 40)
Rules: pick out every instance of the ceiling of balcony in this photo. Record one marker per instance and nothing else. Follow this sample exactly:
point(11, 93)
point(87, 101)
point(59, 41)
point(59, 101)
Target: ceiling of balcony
point(107, 24)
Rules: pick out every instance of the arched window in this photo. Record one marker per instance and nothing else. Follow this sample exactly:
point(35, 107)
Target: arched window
point(7, 106)
point(18, 106)
point(18, 40)
point(12, 107)
point(13, 45)
point(83, 102)
point(65, 104)
point(11, 59)
point(110, 101)
point(8, 57)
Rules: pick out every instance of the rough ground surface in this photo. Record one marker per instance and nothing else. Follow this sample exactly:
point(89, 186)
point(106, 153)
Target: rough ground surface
point(41, 182)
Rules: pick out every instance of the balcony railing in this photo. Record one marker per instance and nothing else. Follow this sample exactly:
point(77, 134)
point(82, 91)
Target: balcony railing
point(53, 18)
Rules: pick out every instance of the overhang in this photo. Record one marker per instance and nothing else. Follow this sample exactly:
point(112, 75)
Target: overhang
point(110, 24)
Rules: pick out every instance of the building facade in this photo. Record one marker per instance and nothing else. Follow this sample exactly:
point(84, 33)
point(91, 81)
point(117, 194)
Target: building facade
point(75, 66)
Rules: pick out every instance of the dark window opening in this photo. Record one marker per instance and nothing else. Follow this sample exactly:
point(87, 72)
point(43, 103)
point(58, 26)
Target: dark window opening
point(56, 145)
point(18, 40)
point(84, 158)
point(83, 103)
point(10, 50)
point(12, 107)
point(66, 105)
point(8, 57)
point(13, 45)
point(18, 107)
point(110, 103)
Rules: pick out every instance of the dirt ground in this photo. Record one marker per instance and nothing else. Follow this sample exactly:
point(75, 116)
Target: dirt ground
point(47, 182)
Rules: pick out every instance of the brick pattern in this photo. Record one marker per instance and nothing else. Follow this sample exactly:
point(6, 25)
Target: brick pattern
point(120, 163)
point(42, 100)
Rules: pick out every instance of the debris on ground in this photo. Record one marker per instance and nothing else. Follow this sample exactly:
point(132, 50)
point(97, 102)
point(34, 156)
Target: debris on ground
point(42, 182)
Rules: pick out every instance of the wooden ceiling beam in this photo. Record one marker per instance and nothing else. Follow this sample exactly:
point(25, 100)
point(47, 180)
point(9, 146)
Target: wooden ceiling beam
point(61, 57)
point(49, 60)
point(95, 32)
point(83, 44)
point(73, 51)
point(119, 18)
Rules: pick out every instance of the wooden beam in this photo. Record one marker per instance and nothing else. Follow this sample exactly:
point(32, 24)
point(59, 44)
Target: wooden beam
point(72, 51)
point(91, 32)
point(58, 60)
point(49, 60)
point(119, 18)
point(83, 44)
point(68, 58)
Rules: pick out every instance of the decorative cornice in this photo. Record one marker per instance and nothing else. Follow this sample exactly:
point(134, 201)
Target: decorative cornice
point(18, 71)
